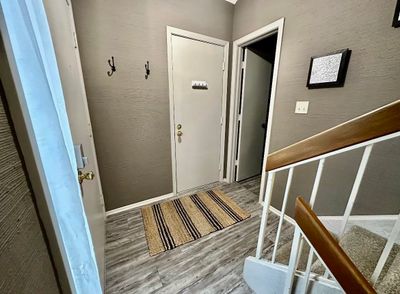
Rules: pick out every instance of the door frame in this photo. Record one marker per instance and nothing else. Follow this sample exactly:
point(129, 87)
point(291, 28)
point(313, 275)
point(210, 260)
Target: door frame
point(171, 31)
point(29, 48)
point(238, 47)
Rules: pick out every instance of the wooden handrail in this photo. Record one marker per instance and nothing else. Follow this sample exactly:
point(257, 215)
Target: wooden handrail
point(377, 123)
point(338, 262)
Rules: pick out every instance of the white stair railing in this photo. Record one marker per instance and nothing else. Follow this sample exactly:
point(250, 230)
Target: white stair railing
point(391, 132)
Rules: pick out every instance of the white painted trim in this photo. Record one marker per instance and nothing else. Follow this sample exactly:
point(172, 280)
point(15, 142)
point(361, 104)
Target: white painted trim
point(139, 204)
point(86, 110)
point(264, 215)
point(171, 31)
point(360, 217)
point(356, 187)
point(282, 212)
point(378, 224)
point(232, 1)
point(278, 213)
point(195, 36)
point(339, 218)
point(24, 28)
point(35, 150)
point(243, 64)
point(238, 45)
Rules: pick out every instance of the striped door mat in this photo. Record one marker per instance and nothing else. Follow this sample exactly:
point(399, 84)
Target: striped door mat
point(179, 221)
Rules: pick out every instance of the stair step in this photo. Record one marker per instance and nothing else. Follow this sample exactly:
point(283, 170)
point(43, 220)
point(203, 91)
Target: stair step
point(390, 284)
point(283, 255)
point(364, 248)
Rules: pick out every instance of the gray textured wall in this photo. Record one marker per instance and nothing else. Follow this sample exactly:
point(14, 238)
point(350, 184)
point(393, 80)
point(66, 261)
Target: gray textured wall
point(25, 262)
point(30, 163)
point(130, 115)
point(316, 27)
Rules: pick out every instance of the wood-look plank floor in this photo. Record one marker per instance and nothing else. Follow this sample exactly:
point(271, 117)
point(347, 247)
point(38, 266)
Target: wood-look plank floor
point(212, 264)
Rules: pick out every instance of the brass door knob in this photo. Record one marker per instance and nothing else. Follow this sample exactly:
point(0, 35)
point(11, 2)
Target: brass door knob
point(89, 176)
point(179, 133)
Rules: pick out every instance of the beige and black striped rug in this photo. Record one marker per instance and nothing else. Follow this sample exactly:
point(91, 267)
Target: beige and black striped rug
point(179, 221)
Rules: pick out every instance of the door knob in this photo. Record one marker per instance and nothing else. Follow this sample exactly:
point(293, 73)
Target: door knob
point(179, 133)
point(85, 176)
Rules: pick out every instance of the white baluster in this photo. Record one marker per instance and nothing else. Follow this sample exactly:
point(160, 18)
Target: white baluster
point(283, 209)
point(308, 271)
point(326, 274)
point(317, 181)
point(294, 253)
point(356, 186)
point(386, 251)
point(264, 216)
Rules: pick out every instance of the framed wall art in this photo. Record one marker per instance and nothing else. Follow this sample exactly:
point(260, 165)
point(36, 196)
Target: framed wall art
point(329, 70)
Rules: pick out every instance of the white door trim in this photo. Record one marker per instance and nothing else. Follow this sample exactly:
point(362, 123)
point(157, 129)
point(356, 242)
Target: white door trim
point(29, 48)
point(171, 31)
point(238, 45)
point(86, 108)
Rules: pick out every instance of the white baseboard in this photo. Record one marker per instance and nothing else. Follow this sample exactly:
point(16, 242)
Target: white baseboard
point(278, 213)
point(139, 204)
point(378, 224)
point(360, 217)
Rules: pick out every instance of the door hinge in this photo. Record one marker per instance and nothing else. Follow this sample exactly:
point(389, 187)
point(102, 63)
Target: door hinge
point(222, 120)
point(223, 66)
point(243, 64)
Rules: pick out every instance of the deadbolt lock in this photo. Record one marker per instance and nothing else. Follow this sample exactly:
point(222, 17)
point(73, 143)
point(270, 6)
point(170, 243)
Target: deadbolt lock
point(89, 176)
point(179, 126)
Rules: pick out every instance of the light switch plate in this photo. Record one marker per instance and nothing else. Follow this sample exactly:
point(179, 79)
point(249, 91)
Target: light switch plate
point(302, 107)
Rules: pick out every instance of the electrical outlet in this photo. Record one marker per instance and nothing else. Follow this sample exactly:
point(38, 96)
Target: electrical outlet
point(302, 107)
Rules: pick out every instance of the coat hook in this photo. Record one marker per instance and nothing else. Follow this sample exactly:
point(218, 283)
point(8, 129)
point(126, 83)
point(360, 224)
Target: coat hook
point(112, 65)
point(147, 68)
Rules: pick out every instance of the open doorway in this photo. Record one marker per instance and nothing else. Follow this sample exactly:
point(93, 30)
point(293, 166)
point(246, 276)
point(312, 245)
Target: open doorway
point(256, 81)
point(254, 78)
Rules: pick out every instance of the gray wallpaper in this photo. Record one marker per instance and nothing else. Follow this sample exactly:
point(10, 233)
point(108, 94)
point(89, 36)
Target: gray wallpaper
point(130, 115)
point(313, 28)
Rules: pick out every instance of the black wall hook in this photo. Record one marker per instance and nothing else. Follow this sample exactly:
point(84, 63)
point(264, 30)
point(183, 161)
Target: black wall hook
point(147, 68)
point(112, 65)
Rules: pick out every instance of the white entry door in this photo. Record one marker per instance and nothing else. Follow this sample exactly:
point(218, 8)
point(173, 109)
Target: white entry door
point(255, 100)
point(197, 77)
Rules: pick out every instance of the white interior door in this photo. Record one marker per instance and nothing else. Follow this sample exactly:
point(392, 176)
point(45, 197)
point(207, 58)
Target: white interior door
point(197, 112)
point(255, 99)
point(62, 27)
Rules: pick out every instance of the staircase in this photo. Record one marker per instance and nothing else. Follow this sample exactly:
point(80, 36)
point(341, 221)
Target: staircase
point(315, 260)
